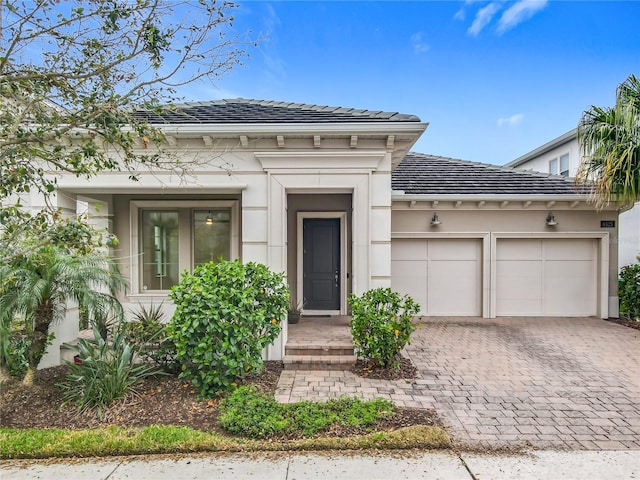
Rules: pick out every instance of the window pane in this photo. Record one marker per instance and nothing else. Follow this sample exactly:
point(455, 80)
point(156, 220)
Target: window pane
point(160, 269)
point(553, 166)
point(211, 236)
point(564, 165)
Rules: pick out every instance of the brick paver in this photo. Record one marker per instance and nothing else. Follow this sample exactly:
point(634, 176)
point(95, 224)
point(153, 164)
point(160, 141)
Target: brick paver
point(540, 382)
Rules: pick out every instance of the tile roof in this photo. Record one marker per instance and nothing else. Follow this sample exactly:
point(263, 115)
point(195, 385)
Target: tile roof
point(422, 174)
point(242, 110)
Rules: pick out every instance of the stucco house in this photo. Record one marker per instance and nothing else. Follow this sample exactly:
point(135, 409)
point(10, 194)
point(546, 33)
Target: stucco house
point(562, 156)
point(334, 198)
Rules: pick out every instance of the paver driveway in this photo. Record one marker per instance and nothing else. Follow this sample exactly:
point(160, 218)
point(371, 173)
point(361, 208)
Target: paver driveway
point(540, 382)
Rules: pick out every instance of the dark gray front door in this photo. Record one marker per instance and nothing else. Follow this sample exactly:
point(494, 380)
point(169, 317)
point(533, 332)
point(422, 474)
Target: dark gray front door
point(321, 263)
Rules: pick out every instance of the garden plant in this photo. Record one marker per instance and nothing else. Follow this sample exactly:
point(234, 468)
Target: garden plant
point(226, 314)
point(381, 324)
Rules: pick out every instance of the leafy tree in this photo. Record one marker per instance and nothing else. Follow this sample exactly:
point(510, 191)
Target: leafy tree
point(73, 73)
point(610, 142)
point(38, 285)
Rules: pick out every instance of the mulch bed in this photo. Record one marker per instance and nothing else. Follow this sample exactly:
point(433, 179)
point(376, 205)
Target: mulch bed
point(161, 400)
point(368, 369)
point(625, 322)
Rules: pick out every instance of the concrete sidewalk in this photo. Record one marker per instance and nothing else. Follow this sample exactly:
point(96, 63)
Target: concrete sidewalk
point(578, 465)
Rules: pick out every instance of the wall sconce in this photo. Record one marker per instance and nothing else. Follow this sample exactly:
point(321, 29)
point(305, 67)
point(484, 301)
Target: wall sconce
point(551, 220)
point(209, 219)
point(435, 220)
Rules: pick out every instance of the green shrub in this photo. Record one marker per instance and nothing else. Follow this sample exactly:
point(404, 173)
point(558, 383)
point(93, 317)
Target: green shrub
point(148, 333)
point(254, 415)
point(629, 291)
point(226, 314)
point(106, 372)
point(381, 324)
point(17, 355)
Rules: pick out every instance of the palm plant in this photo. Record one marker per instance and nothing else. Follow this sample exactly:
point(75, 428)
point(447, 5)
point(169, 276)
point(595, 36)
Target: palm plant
point(610, 143)
point(38, 285)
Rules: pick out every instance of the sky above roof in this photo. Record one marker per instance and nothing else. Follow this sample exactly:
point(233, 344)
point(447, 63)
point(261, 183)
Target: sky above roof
point(493, 79)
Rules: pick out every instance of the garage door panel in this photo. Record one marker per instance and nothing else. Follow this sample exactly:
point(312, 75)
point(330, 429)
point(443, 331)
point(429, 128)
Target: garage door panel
point(453, 249)
point(519, 250)
point(408, 249)
point(442, 275)
point(410, 278)
point(520, 307)
point(576, 249)
point(563, 282)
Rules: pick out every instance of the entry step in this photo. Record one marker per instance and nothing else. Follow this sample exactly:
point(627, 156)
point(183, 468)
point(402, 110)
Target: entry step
point(319, 362)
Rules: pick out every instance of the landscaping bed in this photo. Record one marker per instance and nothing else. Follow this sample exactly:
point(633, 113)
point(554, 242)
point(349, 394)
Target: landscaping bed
point(160, 400)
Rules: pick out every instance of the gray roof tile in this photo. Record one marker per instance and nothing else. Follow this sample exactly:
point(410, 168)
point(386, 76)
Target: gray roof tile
point(422, 174)
point(241, 110)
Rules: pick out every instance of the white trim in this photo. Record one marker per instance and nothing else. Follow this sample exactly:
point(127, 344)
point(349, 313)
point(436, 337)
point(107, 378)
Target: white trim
point(134, 208)
point(485, 237)
point(328, 161)
point(342, 216)
point(290, 129)
point(399, 196)
point(603, 237)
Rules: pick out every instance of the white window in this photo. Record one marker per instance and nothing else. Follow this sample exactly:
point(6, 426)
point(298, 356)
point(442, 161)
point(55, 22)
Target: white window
point(564, 165)
point(169, 237)
point(559, 165)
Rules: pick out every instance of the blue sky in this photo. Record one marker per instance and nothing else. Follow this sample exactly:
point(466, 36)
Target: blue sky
point(494, 79)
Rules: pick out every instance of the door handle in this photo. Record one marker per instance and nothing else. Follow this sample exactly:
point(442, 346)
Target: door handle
point(336, 277)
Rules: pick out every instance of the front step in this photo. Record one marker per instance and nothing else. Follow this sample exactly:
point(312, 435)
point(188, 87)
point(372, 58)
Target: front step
point(319, 362)
point(319, 357)
point(316, 350)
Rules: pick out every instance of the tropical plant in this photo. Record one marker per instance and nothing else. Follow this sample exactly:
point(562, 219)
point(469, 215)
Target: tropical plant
point(147, 331)
point(226, 314)
point(381, 324)
point(629, 291)
point(610, 143)
point(38, 285)
point(105, 371)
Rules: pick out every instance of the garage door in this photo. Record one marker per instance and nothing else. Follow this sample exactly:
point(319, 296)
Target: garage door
point(546, 277)
point(442, 275)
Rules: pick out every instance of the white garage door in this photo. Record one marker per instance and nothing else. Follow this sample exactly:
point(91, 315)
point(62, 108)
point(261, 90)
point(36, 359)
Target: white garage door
point(546, 277)
point(442, 275)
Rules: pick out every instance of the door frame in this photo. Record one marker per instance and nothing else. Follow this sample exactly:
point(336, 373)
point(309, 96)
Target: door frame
point(342, 216)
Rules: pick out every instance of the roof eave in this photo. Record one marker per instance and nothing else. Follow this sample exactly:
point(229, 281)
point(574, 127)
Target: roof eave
point(399, 195)
point(556, 142)
point(381, 128)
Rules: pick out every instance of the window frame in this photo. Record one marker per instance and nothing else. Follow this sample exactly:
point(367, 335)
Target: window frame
point(562, 171)
point(185, 234)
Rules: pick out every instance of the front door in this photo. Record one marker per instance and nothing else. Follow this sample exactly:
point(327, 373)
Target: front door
point(321, 263)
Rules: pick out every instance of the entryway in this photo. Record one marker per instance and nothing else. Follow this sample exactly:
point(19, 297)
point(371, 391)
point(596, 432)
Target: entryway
point(319, 258)
point(320, 343)
point(321, 264)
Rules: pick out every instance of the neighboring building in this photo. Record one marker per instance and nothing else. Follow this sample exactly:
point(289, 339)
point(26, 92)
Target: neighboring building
point(333, 198)
point(562, 156)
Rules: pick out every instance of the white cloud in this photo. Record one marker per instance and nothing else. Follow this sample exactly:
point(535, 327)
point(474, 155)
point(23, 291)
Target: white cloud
point(483, 17)
point(511, 121)
point(460, 14)
point(518, 13)
point(419, 45)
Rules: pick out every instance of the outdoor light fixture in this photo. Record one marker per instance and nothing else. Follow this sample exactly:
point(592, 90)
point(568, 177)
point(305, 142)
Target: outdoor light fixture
point(551, 220)
point(435, 220)
point(209, 219)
